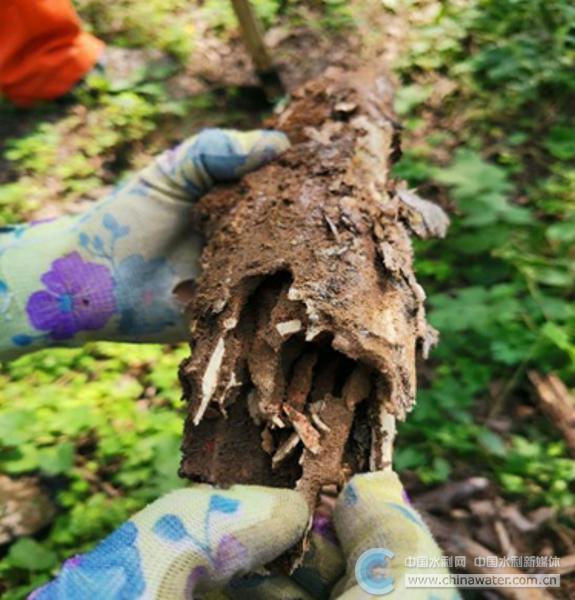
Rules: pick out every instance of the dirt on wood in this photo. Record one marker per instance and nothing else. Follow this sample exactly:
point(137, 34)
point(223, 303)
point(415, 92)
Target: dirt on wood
point(307, 318)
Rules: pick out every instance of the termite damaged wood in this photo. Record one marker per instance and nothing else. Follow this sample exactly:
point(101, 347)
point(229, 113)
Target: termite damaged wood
point(307, 318)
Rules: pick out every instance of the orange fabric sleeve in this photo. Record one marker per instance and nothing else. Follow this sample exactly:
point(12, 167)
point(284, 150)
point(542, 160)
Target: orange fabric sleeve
point(43, 50)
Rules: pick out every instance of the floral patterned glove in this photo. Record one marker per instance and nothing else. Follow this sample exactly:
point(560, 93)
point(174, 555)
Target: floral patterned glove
point(373, 512)
point(188, 541)
point(193, 542)
point(372, 542)
point(108, 274)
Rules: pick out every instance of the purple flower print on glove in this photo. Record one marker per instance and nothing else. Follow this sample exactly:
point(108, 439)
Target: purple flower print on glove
point(78, 297)
point(323, 525)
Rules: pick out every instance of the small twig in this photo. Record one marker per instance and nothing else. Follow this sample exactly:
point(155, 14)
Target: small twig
point(252, 34)
point(455, 544)
point(445, 497)
point(504, 540)
point(499, 402)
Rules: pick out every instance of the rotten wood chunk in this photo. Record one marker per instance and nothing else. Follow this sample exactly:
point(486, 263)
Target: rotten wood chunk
point(557, 403)
point(307, 317)
point(330, 455)
point(301, 382)
point(25, 508)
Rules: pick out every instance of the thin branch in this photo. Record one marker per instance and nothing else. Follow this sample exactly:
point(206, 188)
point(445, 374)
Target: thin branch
point(252, 35)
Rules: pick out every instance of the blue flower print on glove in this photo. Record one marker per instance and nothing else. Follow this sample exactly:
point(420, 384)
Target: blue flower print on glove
point(225, 553)
point(171, 528)
point(111, 571)
point(142, 287)
point(5, 299)
point(150, 280)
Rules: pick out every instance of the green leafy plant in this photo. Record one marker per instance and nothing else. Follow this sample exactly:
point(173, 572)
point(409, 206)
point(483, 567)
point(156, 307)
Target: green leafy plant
point(501, 284)
point(163, 24)
point(104, 424)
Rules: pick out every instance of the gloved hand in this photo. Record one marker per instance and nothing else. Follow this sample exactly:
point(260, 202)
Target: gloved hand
point(373, 511)
point(189, 540)
point(192, 542)
point(108, 274)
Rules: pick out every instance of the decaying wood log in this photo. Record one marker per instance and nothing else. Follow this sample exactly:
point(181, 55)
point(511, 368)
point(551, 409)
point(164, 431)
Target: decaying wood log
point(307, 318)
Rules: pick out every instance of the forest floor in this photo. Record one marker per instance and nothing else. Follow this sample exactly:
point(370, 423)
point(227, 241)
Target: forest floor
point(488, 133)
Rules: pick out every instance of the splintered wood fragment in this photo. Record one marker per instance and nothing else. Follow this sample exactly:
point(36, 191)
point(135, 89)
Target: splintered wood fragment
point(383, 431)
point(314, 411)
point(211, 379)
point(557, 403)
point(286, 448)
point(267, 441)
point(285, 321)
point(288, 327)
point(383, 438)
point(308, 435)
point(425, 218)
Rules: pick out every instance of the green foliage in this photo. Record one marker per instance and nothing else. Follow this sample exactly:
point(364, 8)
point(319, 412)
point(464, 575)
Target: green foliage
point(163, 24)
point(409, 97)
point(327, 14)
point(538, 471)
point(481, 190)
point(337, 14)
point(221, 15)
point(18, 199)
point(61, 160)
point(102, 424)
point(28, 554)
point(501, 284)
point(561, 142)
point(68, 157)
